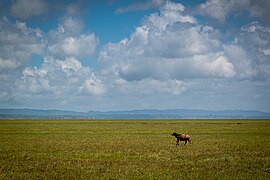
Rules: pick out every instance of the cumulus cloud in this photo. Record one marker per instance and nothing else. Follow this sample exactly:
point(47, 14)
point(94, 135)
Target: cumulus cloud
point(60, 75)
point(222, 9)
point(17, 43)
point(60, 79)
point(256, 34)
point(84, 45)
point(168, 48)
point(67, 39)
point(170, 13)
point(241, 60)
point(169, 54)
point(249, 52)
point(254, 39)
point(28, 8)
point(70, 25)
point(93, 85)
point(172, 46)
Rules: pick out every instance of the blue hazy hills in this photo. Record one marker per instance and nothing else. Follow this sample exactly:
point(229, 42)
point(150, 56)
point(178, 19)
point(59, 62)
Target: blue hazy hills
point(132, 114)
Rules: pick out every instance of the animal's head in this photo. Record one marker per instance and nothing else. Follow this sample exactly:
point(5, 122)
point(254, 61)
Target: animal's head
point(174, 134)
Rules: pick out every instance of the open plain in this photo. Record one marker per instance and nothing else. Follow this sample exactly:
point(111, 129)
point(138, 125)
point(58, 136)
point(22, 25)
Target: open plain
point(134, 149)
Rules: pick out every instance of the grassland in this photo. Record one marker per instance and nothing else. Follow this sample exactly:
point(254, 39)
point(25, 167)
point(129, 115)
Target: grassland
point(129, 149)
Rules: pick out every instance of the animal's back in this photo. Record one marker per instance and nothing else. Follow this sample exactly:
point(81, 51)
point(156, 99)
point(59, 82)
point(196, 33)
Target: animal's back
point(184, 136)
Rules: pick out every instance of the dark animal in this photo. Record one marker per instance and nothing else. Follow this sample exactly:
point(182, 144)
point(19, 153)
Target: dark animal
point(181, 137)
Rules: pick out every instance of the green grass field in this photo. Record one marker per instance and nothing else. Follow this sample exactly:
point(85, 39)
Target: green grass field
point(129, 149)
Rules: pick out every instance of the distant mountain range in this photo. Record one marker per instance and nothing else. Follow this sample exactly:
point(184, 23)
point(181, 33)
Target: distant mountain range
point(132, 114)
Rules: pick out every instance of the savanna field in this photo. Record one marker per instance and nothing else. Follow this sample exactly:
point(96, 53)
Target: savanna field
point(134, 149)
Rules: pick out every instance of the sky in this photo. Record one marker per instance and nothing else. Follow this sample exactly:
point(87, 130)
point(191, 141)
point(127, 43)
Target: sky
point(105, 55)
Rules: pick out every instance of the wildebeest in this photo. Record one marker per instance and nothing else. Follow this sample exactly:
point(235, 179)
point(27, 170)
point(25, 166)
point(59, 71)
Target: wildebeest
point(181, 137)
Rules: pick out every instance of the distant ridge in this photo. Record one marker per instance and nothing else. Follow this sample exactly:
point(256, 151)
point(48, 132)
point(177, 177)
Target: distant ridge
point(133, 114)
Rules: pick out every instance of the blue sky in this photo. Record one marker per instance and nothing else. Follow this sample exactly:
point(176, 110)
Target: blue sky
point(119, 55)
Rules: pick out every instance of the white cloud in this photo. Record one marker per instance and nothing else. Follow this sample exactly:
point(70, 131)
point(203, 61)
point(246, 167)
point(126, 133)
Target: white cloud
point(164, 54)
point(241, 60)
point(170, 60)
point(68, 40)
point(222, 9)
point(168, 46)
point(57, 83)
point(169, 14)
point(84, 45)
point(223, 67)
point(28, 8)
point(257, 44)
point(56, 79)
point(17, 43)
point(93, 86)
point(70, 25)
point(60, 79)
point(256, 34)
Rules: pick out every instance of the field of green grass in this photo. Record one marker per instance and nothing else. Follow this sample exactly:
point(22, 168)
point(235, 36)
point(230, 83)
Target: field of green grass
point(134, 149)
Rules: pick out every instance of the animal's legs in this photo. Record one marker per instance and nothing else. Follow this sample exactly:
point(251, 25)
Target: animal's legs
point(177, 142)
point(185, 142)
